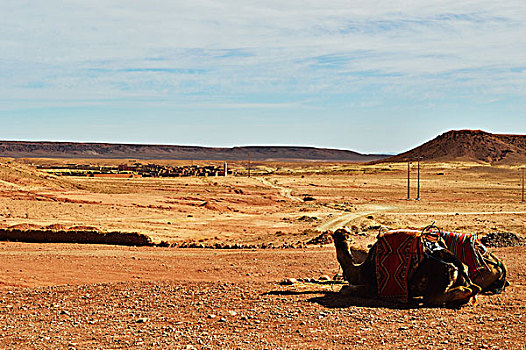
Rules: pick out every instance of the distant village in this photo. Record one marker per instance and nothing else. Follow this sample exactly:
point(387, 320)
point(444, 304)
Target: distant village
point(136, 170)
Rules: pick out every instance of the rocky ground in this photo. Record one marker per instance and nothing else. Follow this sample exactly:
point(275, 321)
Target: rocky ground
point(105, 297)
point(77, 296)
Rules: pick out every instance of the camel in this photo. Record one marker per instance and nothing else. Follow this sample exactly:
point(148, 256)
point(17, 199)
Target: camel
point(439, 278)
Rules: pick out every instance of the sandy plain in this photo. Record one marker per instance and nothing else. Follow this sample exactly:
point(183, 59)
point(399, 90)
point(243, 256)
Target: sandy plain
point(110, 297)
point(269, 206)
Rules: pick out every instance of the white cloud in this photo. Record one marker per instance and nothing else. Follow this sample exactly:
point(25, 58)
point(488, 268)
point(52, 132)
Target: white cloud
point(166, 49)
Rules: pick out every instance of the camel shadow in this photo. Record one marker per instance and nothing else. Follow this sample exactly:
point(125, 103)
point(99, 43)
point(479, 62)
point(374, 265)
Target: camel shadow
point(336, 300)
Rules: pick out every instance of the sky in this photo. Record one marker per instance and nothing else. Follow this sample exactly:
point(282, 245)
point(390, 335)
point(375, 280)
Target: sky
point(368, 76)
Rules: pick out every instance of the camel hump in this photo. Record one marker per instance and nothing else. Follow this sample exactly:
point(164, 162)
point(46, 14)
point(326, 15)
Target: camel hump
point(402, 232)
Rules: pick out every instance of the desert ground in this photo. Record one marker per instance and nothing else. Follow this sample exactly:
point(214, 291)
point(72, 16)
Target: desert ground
point(113, 297)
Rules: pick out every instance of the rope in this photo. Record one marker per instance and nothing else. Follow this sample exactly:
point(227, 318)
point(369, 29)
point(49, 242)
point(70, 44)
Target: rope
point(427, 232)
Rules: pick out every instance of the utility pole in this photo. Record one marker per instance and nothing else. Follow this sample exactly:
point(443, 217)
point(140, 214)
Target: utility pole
point(248, 164)
point(418, 178)
point(408, 179)
point(522, 184)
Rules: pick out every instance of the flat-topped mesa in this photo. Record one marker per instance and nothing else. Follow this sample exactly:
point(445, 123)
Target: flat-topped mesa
point(26, 149)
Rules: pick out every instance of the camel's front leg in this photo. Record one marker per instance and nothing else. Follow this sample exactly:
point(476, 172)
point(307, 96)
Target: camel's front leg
point(440, 291)
point(362, 290)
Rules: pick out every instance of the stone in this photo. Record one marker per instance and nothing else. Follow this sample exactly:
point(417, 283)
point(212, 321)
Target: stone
point(288, 281)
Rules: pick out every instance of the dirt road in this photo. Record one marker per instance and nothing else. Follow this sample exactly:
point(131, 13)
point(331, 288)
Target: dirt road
point(345, 219)
point(283, 191)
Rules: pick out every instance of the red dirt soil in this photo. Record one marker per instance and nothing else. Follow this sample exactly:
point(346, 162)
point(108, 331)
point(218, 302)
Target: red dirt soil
point(72, 296)
point(66, 296)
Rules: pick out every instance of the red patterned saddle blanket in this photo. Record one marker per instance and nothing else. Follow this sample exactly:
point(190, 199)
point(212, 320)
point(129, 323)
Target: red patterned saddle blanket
point(467, 248)
point(397, 253)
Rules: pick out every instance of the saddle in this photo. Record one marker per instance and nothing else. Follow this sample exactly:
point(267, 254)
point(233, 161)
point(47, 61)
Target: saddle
point(397, 253)
point(467, 248)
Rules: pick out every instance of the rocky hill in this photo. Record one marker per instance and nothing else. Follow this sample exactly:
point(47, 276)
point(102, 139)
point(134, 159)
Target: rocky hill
point(22, 149)
point(470, 145)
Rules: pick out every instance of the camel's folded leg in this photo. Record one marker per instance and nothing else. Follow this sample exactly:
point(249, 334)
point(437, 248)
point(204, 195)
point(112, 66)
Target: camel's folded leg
point(362, 290)
point(452, 297)
point(439, 291)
